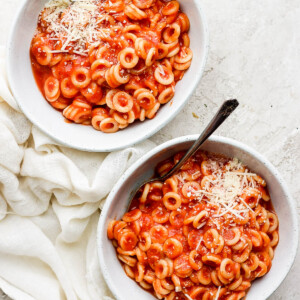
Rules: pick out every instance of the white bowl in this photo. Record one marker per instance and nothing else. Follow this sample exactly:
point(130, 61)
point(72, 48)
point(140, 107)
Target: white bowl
point(51, 122)
point(124, 288)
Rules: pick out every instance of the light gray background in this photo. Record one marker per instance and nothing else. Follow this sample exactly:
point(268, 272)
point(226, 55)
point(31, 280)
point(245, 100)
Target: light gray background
point(254, 57)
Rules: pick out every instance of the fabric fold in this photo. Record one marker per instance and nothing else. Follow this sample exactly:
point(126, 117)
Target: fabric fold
point(50, 199)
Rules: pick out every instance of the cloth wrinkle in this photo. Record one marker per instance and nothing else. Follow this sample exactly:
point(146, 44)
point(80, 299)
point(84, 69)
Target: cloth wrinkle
point(50, 199)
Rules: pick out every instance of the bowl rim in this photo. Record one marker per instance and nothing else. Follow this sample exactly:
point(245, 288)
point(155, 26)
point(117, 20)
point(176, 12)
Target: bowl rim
point(179, 140)
point(102, 148)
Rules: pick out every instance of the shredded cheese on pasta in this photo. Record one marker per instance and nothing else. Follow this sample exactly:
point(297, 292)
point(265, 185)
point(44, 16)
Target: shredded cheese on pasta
point(75, 23)
point(224, 188)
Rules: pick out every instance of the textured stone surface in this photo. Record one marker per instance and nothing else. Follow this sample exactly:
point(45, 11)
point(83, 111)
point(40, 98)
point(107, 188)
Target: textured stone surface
point(254, 57)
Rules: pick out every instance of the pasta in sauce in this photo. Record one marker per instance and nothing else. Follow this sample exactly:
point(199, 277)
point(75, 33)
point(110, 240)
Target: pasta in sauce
point(205, 233)
point(108, 63)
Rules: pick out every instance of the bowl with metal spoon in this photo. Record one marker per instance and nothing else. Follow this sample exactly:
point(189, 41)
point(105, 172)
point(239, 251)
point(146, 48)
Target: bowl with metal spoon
point(143, 170)
point(223, 113)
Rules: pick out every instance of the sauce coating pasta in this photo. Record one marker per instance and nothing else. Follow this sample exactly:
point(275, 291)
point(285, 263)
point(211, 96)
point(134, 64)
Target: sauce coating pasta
point(205, 233)
point(108, 63)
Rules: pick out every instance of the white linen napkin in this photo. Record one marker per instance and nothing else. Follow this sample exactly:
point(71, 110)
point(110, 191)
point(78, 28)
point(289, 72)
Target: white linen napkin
point(49, 209)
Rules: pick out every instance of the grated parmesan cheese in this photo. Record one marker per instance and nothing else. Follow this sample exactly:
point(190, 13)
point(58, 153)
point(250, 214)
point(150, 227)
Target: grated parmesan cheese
point(224, 188)
point(75, 23)
point(218, 293)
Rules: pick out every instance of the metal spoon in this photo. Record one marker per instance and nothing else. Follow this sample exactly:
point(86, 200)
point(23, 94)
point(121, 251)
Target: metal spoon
point(223, 113)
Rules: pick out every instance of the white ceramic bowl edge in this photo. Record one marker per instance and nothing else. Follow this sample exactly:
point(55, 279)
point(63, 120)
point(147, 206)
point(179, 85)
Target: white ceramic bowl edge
point(284, 205)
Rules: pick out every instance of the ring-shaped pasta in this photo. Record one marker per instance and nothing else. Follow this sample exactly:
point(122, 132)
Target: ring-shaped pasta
point(79, 111)
point(110, 229)
point(128, 58)
point(142, 4)
point(98, 114)
point(56, 58)
point(211, 238)
point(251, 196)
point(182, 67)
point(214, 278)
point(162, 51)
point(200, 220)
point(172, 248)
point(184, 22)
point(145, 241)
point(234, 285)
point(255, 237)
point(128, 240)
point(61, 103)
point(163, 75)
point(140, 255)
point(132, 28)
point(130, 38)
point(162, 269)
point(140, 272)
point(149, 276)
point(145, 285)
point(177, 218)
point(274, 239)
point(190, 188)
point(243, 256)
point(146, 190)
point(81, 77)
point(220, 245)
point(122, 102)
point(185, 55)
point(145, 98)
point(114, 77)
point(124, 118)
point(130, 261)
point(128, 271)
point(261, 270)
point(67, 88)
point(171, 33)
point(212, 259)
point(166, 95)
point(173, 49)
point(125, 252)
point(93, 93)
point(182, 267)
point(134, 13)
point(195, 263)
point(98, 68)
point(114, 5)
point(273, 220)
point(204, 276)
point(170, 8)
point(158, 288)
point(132, 215)
point(232, 236)
point(185, 40)
point(170, 185)
point(158, 234)
point(151, 57)
point(198, 291)
point(142, 47)
point(52, 89)
point(118, 227)
point(172, 201)
point(160, 215)
point(167, 285)
point(109, 125)
point(42, 53)
point(228, 268)
point(252, 262)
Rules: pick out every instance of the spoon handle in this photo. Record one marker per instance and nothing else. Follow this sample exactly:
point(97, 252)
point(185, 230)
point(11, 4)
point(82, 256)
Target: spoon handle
point(223, 113)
